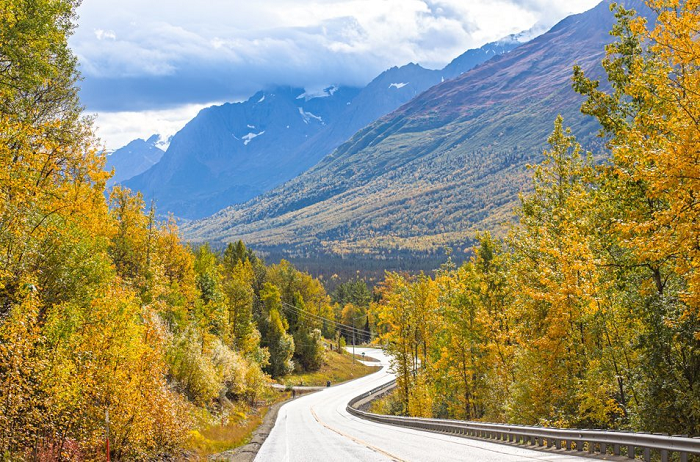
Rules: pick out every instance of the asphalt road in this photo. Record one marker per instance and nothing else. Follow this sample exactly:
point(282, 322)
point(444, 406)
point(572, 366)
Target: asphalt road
point(318, 428)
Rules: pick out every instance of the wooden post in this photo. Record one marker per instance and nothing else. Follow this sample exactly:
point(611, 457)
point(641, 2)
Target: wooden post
point(107, 431)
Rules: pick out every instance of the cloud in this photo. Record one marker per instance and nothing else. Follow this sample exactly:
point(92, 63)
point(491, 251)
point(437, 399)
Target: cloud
point(117, 129)
point(152, 55)
point(105, 34)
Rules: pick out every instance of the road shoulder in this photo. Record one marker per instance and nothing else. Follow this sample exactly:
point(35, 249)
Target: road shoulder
point(247, 452)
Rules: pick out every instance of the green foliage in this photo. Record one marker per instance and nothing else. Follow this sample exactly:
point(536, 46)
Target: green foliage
point(354, 292)
point(309, 349)
point(274, 333)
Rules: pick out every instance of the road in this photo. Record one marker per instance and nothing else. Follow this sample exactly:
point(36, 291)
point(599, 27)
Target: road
point(318, 428)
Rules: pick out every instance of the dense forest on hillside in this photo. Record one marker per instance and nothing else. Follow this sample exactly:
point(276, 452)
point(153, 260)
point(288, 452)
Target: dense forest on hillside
point(587, 313)
point(107, 321)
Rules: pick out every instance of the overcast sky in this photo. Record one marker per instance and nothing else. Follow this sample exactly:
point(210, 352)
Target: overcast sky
point(150, 65)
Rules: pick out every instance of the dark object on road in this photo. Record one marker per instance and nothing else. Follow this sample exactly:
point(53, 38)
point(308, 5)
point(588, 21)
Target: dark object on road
point(328, 383)
point(294, 393)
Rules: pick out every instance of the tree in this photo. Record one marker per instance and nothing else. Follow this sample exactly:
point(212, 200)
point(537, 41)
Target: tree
point(650, 120)
point(274, 334)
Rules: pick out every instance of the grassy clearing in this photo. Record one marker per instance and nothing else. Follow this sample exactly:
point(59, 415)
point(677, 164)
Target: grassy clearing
point(336, 368)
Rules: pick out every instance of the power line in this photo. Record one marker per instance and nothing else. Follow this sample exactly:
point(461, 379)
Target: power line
point(348, 329)
point(340, 326)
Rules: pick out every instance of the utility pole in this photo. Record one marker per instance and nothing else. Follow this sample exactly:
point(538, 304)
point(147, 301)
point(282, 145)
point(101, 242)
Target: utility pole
point(353, 333)
point(353, 344)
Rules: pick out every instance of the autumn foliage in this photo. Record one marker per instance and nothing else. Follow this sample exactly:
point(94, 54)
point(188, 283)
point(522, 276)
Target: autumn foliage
point(107, 321)
point(587, 314)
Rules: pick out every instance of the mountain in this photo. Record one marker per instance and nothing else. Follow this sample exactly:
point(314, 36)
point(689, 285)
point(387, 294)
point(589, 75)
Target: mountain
point(231, 153)
point(434, 171)
point(134, 159)
point(472, 58)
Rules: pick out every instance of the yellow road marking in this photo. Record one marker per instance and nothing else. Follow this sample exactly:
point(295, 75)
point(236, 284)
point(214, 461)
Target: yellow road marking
point(357, 440)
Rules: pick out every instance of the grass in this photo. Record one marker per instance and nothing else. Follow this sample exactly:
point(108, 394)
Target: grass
point(234, 432)
point(367, 359)
point(336, 368)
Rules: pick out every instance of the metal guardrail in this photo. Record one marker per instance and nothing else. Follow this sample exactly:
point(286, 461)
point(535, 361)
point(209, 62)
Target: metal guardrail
point(592, 441)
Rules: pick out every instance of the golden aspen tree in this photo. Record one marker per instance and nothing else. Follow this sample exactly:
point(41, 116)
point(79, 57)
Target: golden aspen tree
point(650, 120)
point(397, 325)
point(555, 275)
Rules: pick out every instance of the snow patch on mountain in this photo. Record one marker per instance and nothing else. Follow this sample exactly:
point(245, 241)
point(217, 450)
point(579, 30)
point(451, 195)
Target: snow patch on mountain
point(398, 86)
point(251, 136)
point(318, 93)
point(164, 143)
point(308, 116)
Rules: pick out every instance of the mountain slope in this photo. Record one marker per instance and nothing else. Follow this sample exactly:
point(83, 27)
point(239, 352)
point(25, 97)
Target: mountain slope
point(232, 152)
point(134, 159)
point(228, 154)
point(449, 162)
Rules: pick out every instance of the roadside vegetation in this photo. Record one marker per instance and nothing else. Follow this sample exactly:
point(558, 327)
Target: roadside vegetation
point(588, 313)
point(337, 368)
point(109, 324)
point(215, 437)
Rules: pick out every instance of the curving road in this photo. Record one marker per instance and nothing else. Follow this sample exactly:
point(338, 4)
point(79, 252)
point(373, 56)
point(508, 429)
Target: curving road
point(318, 428)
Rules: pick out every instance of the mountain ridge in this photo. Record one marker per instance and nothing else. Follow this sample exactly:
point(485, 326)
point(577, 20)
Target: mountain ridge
point(437, 169)
point(211, 158)
point(134, 158)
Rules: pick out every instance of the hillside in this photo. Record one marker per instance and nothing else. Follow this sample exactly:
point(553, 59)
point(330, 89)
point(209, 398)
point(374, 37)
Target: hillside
point(231, 153)
point(448, 163)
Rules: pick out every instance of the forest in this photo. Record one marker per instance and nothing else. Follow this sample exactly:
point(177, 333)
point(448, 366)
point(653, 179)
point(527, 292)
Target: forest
point(108, 321)
point(587, 313)
point(584, 314)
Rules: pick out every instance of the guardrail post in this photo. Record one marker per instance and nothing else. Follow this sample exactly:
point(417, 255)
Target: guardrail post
point(537, 436)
